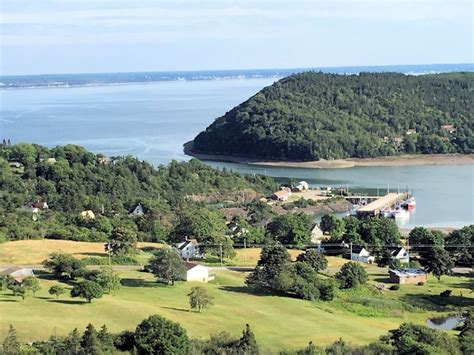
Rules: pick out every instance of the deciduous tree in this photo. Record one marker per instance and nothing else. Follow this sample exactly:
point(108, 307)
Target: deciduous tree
point(199, 298)
point(167, 265)
point(157, 335)
point(88, 290)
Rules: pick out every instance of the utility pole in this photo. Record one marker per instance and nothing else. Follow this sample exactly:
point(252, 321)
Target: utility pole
point(220, 249)
point(245, 251)
point(110, 252)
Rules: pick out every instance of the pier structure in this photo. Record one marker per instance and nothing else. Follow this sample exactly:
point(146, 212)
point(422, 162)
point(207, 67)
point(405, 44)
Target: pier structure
point(377, 204)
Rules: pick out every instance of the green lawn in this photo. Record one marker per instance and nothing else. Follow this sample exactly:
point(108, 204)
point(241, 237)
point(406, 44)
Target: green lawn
point(278, 322)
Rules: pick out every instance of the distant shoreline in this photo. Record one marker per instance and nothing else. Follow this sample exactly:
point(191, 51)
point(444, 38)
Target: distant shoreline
point(404, 160)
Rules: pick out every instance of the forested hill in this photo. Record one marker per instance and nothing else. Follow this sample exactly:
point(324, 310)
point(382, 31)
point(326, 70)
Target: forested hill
point(312, 116)
point(72, 180)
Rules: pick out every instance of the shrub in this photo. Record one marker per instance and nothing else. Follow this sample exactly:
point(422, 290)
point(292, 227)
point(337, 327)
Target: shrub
point(351, 275)
point(395, 287)
point(446, 293)
point(421, 283)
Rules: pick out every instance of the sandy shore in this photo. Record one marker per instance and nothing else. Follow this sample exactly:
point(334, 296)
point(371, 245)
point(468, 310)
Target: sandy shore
point(433, 159)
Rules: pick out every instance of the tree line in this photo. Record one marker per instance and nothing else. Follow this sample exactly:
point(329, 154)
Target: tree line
point(312, 116)
point(157, 335)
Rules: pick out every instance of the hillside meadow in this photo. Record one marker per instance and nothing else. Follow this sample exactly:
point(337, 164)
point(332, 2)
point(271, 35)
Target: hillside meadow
point(358, 316)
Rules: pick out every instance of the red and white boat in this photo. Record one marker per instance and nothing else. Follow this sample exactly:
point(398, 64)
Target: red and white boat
point(410, 204)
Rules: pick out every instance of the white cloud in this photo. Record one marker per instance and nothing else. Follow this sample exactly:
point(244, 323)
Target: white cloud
point(148, 21)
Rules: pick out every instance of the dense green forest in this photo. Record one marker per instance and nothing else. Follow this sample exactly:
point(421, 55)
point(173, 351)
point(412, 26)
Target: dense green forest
point(312, 116)
point(71, 180)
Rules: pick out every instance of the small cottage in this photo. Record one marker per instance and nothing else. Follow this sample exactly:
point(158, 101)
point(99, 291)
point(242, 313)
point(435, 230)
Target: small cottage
point(38, 205)
point(190, 249)
point(18, 273)
point(197, 272)
point(361, 254)
point(281, 195)
point(448, 128)
point(401, 254)
point(407, 276)
point(136, 211)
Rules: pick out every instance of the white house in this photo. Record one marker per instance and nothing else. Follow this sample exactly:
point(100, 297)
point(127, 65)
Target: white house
point(39, 205)
point(401, 254)
point(197, 272)
point(190, 249)
point(301, 186)
point(316, 235)
point(18, 273)
point(137, 211)
point(361, 254)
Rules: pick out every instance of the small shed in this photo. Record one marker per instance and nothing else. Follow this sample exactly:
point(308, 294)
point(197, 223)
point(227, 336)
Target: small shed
point(197, 272)
point(18, 273)
point(407, 276)
point(281, 195)
point(361, 254)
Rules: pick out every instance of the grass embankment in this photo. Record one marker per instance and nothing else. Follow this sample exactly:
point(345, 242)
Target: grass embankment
point(279, 322)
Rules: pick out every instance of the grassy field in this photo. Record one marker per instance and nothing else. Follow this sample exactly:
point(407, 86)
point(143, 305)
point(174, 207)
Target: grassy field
point(33, 252)
point(279, 322)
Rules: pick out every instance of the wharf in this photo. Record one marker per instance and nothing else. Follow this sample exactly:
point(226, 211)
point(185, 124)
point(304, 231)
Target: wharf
point(373, 208)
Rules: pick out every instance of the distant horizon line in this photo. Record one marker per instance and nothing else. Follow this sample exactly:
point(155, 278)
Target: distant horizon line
point(235, 70)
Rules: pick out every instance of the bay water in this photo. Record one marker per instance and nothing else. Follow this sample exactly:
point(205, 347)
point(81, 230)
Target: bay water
point(153, 120)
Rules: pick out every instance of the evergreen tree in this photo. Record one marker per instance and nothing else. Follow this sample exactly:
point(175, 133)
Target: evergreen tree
point(314, 258)
point(11, 345)
point(90, 342)
point(247, 344)
point(73, 342)
point(273, 271)
point(351, 275)
point(106, 340)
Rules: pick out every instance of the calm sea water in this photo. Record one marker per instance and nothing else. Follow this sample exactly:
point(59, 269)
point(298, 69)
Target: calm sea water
point(153, 120)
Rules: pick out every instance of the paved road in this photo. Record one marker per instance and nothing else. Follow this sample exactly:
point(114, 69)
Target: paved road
point(456, 270)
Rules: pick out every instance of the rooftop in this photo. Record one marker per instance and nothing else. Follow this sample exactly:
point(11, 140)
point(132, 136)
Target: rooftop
point(408, 272)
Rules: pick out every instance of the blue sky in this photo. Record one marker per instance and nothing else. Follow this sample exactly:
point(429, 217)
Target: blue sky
point(66, 36)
